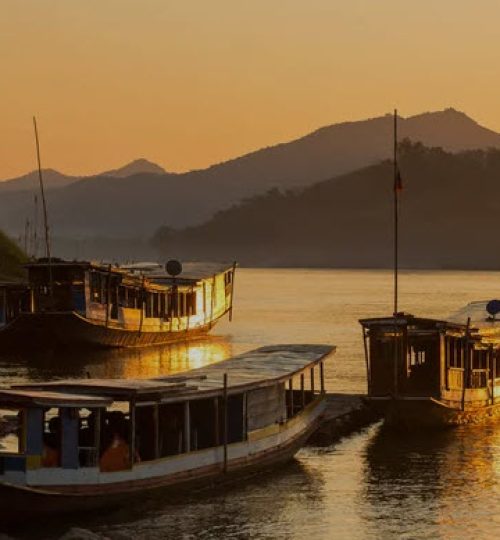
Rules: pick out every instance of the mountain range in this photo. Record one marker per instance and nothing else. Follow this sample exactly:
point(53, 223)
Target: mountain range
point(449, 209)
point(53, 179)
point(123, 206)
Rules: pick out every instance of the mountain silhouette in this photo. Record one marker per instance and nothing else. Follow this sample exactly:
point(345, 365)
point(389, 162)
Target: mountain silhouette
point(449, 211)
point(51, 179)
point(137, 205)
point(54, 179)
point(138, 166)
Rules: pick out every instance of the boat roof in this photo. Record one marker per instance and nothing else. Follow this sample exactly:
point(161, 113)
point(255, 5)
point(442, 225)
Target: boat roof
point(406, 319)
point(477, 313)
point(153, 271)
point(257, 368)
point(42, 398)
point(487, 326)
point(192, 271)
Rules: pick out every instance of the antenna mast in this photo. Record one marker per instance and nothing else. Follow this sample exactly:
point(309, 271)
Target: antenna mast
point(44, 206)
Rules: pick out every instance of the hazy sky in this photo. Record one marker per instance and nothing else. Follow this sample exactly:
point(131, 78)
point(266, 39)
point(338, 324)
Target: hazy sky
point(190, 83)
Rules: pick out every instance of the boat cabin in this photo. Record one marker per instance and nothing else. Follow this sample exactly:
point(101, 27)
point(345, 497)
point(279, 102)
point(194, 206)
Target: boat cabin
point(409, 356)
point(85, 432)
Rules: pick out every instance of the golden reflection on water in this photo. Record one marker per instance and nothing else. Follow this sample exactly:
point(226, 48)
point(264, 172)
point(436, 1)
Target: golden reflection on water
point(116, 363)
point(445, 482)
point(154, 362)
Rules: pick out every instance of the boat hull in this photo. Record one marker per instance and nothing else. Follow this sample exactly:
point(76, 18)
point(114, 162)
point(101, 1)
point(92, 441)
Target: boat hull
point(20, 503)
point(50, 330)
point(431, 413)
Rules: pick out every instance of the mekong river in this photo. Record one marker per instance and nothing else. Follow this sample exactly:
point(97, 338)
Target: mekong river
point(373, 484)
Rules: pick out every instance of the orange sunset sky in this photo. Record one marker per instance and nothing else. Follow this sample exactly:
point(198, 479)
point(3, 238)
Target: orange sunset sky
point(190, 83)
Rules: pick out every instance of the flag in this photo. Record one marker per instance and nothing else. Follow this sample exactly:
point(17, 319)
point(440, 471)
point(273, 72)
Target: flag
point(398, 183)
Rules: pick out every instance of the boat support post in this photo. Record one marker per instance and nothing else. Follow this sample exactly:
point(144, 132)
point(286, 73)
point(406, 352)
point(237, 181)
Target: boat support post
point(132, 432)
point(233, 273)
point(224, 433)
point(466, 362)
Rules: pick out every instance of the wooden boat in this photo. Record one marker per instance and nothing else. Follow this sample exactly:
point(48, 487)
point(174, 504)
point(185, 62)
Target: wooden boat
point(86, 303)
point(206, 425)
point(429, 372)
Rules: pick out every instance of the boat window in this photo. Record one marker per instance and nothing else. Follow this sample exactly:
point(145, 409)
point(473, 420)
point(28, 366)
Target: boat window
point(11, 427)
point(115, 439)
point(122, 296)
point(148, 305)
point(205, 426)
point(95, 287)
point(52, 438)
point(182, 304)
point(162, 305)
point(455, 353)
point(236, 429)
point(416, 355)
point(130, 298)
point(191, 303)
point(88, 437)
point(171, 426)
point(145, 432)
point(156, 305)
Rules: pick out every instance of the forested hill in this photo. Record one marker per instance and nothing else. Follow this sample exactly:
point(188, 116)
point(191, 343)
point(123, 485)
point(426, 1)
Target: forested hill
point(450, 208)
point(11, 259)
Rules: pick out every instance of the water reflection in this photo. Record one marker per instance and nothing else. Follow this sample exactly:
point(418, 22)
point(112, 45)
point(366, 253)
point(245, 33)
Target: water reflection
point(114, 363)
point(453, 474)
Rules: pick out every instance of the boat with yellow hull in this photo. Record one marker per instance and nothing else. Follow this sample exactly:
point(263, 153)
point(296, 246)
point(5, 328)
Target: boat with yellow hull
point(88, 303)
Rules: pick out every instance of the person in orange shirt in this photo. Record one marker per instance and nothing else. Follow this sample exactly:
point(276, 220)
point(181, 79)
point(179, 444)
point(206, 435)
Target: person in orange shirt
point(116, 457)
point(52, 444)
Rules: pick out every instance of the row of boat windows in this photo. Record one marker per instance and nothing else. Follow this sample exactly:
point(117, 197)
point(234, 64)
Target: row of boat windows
point(455, 354)
point(173, 303)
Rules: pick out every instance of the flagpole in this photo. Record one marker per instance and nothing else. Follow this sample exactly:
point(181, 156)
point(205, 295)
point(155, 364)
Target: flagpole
point(396, 212)
point(396, 188)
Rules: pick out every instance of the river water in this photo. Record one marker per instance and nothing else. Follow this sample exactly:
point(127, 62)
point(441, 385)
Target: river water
point(373, 484)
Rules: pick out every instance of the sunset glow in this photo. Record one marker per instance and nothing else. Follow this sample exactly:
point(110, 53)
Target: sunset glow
point(188, 84)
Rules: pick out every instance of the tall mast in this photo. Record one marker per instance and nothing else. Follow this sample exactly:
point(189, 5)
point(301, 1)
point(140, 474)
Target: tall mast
point(44, 206)
point(35, 227)
point(396, 211)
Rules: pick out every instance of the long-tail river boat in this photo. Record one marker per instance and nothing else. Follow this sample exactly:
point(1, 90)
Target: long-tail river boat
point(81, 444)
point(88, 303)
point(428, 372)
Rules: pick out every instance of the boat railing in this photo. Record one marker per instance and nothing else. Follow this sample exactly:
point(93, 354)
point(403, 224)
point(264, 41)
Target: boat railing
point(455, 378)
point(479, 378)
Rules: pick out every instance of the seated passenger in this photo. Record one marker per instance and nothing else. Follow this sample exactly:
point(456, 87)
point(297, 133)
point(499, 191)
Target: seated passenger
point(116, 457)
point(52, 444)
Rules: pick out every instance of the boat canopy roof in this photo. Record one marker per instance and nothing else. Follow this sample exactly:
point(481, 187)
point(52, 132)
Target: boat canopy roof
point(192, 272)
point(10, 397)
point(405, 319)
point(255, 369)
point(477, 313)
